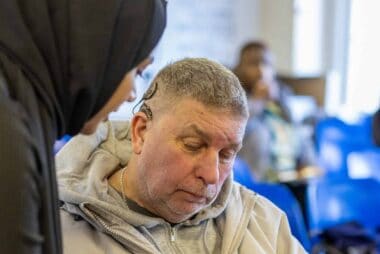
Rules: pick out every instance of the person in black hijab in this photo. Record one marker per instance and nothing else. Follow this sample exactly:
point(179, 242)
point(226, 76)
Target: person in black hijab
point(61, 67)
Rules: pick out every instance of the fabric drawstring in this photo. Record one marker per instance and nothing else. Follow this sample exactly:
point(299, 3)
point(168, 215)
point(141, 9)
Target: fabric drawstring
point(149, 236)
point(206, 246)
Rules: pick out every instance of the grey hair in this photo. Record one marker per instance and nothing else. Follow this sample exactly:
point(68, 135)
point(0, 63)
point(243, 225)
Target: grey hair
point(204, 80)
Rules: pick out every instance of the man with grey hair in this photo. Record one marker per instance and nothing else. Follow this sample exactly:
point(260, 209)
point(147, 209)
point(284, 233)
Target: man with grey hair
point(162, 183)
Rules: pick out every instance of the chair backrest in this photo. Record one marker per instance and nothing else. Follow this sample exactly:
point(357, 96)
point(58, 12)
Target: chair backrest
point(335, 201)
point(242, 173)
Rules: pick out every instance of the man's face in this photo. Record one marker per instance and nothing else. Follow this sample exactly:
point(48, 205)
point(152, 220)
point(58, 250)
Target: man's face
point(186, 156)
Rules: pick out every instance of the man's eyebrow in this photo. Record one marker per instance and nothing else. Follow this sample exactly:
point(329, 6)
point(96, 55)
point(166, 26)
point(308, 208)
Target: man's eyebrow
point(194, 128)
point(204, 135)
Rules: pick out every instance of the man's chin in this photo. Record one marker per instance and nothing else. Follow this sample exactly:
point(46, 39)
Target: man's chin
point(184, 215)
point(180, 218)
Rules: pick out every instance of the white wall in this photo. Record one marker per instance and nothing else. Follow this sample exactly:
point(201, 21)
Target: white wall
point(208, 28)
point(293, 30)
point(276, 29)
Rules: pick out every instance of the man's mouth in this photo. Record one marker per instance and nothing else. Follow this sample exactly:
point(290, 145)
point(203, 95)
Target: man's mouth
point(195, 197)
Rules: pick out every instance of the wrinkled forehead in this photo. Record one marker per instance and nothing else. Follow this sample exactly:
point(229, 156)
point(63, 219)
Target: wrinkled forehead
point(208, 121)
point(224, 136)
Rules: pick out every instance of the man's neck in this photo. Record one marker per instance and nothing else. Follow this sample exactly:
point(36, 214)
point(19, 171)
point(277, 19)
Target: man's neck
point(122, 181)
point(114, 180)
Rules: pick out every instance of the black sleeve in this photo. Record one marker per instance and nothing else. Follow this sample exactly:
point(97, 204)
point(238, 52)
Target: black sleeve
point(20, 183)
point(376, 127)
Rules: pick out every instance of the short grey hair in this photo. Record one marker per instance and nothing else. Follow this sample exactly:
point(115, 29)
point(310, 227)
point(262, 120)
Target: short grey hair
point(201, 79)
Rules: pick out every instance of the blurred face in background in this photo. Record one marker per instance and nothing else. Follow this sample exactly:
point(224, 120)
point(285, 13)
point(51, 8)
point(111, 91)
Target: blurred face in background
point(126, 91)
point(256, 71)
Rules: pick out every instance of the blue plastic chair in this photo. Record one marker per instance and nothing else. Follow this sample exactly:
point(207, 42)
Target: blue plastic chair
point(336, 139)
point(242, 173)
point(280, 195)
point(331, 202)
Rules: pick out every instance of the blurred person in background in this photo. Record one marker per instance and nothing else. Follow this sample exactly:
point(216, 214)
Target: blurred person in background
point(273, 147)
point(64, 65)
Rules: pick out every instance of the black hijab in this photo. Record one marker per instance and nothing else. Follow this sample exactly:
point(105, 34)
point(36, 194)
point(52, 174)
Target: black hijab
point(77, 52)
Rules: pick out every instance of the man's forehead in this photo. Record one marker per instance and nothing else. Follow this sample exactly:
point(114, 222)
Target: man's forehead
point(192, 115)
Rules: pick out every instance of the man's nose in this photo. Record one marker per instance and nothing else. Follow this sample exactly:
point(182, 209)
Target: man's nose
point(209, 169)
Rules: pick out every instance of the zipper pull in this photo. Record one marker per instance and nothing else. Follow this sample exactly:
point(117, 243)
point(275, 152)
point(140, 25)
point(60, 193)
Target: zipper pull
point(172, 234)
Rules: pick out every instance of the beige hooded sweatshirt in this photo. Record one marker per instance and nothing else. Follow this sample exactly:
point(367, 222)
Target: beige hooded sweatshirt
point(96, 220)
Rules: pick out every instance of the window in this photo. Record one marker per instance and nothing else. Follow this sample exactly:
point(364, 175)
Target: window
point(363, 68)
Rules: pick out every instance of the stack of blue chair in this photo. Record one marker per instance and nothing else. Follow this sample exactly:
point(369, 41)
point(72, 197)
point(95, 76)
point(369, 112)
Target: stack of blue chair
point(280, 195)
point(333, 202)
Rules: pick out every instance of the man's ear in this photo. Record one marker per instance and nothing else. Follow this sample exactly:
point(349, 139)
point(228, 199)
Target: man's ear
point(138, 128)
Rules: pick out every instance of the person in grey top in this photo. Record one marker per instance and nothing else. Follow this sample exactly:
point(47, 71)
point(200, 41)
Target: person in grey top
point(274, 146)
point(162, 183)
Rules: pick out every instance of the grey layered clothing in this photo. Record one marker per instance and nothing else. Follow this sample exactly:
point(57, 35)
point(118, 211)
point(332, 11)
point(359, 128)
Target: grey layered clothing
point(95, 219)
